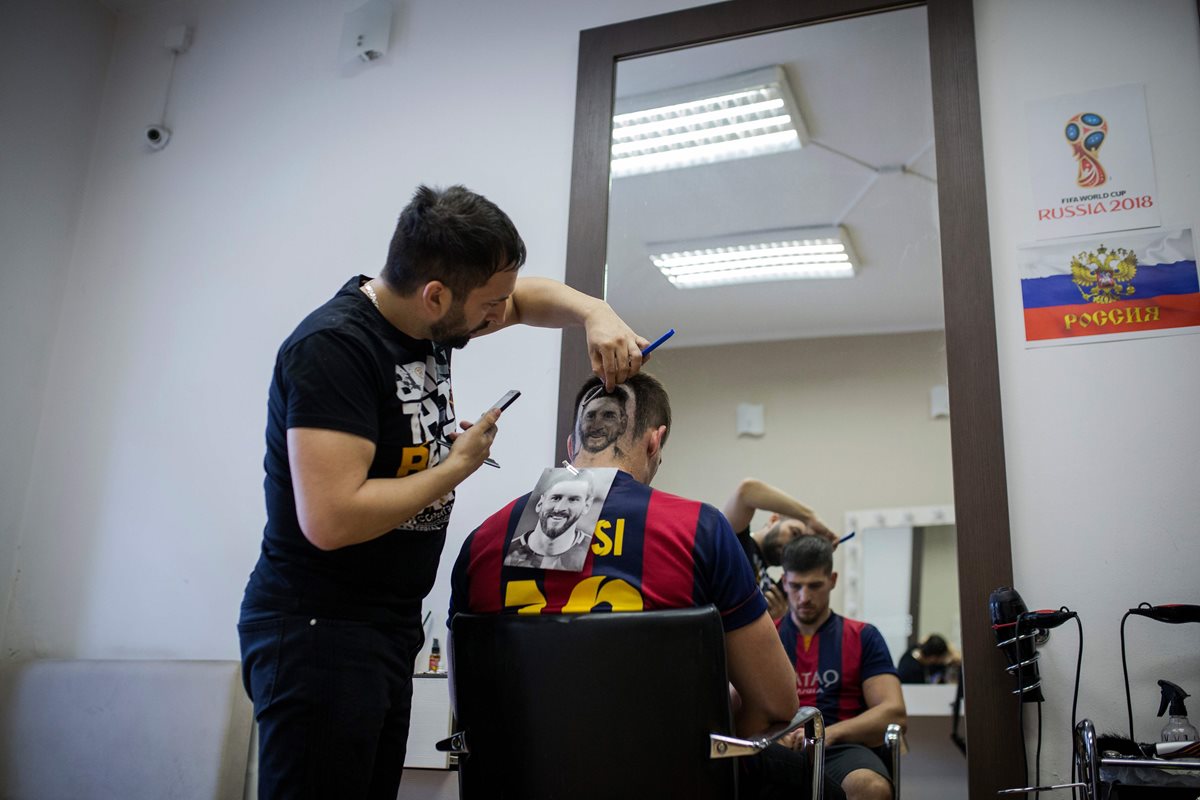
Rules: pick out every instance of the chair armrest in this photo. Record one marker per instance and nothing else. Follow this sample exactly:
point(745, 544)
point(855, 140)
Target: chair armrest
point(808, 717)
point(891, 745)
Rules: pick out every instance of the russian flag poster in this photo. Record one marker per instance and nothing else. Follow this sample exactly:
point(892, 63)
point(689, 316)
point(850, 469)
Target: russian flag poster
point(1123, 285)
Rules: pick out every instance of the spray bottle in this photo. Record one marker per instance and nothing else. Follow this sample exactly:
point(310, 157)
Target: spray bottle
point(1177, 729)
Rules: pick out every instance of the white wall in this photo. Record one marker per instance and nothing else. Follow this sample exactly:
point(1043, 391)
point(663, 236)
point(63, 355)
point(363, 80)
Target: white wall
point(53, 58)
point(142, 510)
point(138, 512)
point(847, 423)
point(1102, 441)
point(284, 177)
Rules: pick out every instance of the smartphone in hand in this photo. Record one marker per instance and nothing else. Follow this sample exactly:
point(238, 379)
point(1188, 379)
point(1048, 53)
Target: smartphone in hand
point(507, 400)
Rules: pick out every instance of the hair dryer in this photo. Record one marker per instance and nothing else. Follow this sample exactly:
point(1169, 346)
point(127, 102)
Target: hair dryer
point(1014, 635)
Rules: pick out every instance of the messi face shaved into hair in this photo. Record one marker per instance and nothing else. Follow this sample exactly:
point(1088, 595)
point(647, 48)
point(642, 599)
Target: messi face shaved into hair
point(613, 419)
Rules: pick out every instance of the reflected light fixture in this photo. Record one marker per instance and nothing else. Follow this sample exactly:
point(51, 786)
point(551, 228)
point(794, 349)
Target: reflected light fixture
point(756, 257)
point(748, 114)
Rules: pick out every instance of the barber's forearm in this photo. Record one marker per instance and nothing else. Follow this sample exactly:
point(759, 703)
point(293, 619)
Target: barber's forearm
point(378, 506)
point(867, 728)
point(545, 303)
point(765, 497)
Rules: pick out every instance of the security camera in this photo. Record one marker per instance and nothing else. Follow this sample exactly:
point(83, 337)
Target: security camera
point(157, 136)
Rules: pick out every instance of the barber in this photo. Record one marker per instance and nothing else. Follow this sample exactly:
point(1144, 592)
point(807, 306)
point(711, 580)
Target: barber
point(764, 547)
point(361, 466)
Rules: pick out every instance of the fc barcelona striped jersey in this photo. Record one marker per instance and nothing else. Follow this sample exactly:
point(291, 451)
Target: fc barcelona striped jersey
point(651, 550)
point(832, 666)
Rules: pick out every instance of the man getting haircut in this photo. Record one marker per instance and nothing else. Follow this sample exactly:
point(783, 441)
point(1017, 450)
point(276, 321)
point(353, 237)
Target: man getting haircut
point(657, 551)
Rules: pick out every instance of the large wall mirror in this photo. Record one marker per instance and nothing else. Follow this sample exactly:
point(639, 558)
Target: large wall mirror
point(867, 138)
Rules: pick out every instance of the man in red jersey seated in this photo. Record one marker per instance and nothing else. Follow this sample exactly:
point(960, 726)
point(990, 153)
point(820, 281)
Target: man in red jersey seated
point(651, 550)
point(843, 667)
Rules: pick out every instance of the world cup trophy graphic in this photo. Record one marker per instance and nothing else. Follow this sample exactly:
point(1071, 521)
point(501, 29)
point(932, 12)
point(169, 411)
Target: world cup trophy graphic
point(1085, 133)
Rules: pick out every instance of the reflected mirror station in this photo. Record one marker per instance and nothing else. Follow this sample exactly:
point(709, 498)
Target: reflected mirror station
point(774, 199)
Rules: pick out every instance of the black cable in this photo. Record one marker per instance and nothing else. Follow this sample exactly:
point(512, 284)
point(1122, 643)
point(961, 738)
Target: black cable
point(1037, 762)
point(956, 718)
point(1125, 672)
point(1021, 698)
point(1075, 699)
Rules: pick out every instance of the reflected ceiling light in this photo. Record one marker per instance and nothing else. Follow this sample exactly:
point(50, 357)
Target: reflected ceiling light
point(756, 257)
point(749, 114)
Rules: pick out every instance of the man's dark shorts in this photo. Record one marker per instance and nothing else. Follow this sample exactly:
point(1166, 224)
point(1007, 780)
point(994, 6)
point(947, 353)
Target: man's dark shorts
point(778, 773)
point(842, 759)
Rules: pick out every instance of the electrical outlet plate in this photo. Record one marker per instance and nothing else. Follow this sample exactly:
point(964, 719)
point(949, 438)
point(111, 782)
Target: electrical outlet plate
point(750, 419)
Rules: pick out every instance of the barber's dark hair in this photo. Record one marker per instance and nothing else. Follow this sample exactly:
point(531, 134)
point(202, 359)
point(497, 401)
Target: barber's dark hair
point(806, 553)
point(454, 236)
point(653, 405)
point(772, 546)
point(934, 646)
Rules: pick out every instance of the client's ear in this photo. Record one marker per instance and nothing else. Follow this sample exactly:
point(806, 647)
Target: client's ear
point(570, 447)
point(654, 441)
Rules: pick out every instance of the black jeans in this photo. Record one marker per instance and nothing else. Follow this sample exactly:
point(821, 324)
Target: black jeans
point(332, 699)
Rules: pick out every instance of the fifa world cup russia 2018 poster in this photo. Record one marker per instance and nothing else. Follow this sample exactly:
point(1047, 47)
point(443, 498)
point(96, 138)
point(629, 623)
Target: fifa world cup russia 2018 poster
point(1091, 165)
point(1123, 285)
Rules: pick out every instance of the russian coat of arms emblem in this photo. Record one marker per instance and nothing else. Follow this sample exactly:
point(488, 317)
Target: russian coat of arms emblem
point(1104, 276)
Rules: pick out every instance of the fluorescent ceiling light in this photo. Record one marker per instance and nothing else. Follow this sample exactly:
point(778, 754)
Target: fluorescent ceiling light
point(749, 114)
point(756, 257)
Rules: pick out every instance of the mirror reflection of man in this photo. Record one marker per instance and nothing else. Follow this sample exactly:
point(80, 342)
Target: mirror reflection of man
point(934, 660)
point(557, 542)
point(843, 667)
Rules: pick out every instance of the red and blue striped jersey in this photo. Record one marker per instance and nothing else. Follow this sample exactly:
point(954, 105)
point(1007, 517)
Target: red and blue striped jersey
point(832, 666)
point(651, 550)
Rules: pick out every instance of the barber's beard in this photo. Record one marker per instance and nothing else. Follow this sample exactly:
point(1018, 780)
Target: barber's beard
point(452, 330)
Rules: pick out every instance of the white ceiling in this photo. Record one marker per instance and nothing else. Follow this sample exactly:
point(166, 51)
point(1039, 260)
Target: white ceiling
point(863, 89)
point(128, 6)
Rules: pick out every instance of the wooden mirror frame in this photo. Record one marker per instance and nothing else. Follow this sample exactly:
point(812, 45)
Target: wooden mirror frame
point(977, 439)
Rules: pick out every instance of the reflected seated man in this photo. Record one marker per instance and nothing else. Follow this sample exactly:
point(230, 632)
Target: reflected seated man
point(661, 551)
point(932, 661)
point(842, 667)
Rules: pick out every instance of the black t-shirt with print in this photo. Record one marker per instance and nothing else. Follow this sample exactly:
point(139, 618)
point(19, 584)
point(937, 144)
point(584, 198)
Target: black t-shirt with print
point(346, 368)
point(755, 557)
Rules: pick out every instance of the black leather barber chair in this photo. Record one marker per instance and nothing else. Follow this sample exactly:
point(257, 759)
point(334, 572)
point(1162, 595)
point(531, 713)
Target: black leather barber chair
point(600, 706)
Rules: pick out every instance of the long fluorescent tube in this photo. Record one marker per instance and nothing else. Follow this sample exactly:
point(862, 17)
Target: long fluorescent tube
point(749, 114)
point(752, 258)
